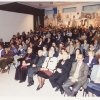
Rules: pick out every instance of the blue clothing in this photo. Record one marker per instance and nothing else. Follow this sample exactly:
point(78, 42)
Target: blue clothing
point(95, 74)
point(15, 51)
point(2, 53)
point(93, 62)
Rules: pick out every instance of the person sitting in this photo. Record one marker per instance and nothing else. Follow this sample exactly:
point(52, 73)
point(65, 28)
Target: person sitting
point(77, 77)
point(2, 59)
point(74, 56)
point(21, 70)
point(93, 86)
point(14, 49)
point(45, 52)
point(62, 72)
point(96, 46)
point(47, 69)
point(70, 47)
point(7, 59)
point(90, 60)
point(36, 64)
point(21, 54)
point(85, 47)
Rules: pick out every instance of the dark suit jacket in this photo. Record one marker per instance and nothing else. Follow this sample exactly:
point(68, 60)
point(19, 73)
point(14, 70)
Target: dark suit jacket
point(66, 67)
point(83, 73)
point(38, 61)
point(93, 62)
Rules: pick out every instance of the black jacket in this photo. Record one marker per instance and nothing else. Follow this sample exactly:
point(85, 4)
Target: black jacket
point(38, 61)
point(66, 67)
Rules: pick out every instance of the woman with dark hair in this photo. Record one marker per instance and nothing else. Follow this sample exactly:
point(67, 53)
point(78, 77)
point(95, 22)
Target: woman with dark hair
point(70, 48)
point(45, 52)
point(47, 69)
point(74, 56)
point(85, 47)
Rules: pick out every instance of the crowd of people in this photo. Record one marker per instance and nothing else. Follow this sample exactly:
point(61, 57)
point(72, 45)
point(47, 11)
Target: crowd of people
point(68, 57)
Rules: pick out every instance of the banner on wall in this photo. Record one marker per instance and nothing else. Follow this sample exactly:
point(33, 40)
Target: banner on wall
point(56, 16)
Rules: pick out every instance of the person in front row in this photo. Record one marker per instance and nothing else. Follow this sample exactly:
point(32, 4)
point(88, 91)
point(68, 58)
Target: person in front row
point(47, 69)
point(62, 72)
point(93, 86)
point(77, 78)
point(21, 70)
point(35, 66)
point(90, 60)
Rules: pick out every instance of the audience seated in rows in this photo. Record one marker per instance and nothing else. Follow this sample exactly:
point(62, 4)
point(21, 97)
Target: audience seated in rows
point(68, 48)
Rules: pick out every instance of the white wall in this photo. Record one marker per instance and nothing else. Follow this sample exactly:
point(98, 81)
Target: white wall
point(11, 23)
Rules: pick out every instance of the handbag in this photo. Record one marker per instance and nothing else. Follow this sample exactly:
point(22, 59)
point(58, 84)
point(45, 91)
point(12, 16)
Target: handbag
point(23, 66)
point(47, 72)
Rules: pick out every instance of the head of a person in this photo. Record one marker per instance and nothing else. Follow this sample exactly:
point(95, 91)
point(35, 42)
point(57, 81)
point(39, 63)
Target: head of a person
point(91, 47)
point(99, 60)
point(40, 53)
point(63, 50)
point(44, 48)
point(61, 45)
point(90, 53)
point(20, 46)
point(1, 46)
point(40, 39)
point(31, 44)
point(78, 51)
point(69, 40)
point(51, 53)
point(12, 45)
point(53, 44)
point(27, 41)
point(80, 58)
point(7, 50)
point(29, 50)
point(52, 48)
point(95, 41)
point(49, 39)
point(65, 55)
point(71, 43)
point(85, 41)
point(77, 43)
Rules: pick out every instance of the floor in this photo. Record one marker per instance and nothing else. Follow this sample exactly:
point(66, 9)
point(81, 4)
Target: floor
point(10, 88)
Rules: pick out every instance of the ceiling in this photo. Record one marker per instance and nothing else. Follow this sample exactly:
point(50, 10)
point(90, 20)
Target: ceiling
point(42, 5)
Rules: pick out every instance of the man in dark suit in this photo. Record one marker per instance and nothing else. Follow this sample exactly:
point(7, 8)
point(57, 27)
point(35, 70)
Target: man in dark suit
point(36, 65)
point(62, 72)
point(77, 77)
point(90, 60)
point(59, 39)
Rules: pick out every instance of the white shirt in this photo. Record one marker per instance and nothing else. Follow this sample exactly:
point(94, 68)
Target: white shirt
point(69, 34)
point(90, 60)
point(76, 73)
point(95, 74)
point(50, 63)
point(0, 52)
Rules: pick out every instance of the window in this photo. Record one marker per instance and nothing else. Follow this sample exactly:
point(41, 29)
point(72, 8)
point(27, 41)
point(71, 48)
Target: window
point(72, 9)
point(48, 12)
point(91, 8)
